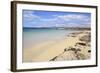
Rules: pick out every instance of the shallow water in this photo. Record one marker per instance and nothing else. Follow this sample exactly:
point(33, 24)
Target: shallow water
point(35, 36)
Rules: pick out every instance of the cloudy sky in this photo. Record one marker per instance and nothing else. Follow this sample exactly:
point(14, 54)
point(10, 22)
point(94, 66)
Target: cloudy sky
point(36, 18)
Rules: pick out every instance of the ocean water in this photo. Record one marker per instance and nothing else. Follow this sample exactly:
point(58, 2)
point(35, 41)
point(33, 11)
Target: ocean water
point(36, 36)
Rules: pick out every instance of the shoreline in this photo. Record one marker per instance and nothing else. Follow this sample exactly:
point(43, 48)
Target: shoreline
point(55, 50)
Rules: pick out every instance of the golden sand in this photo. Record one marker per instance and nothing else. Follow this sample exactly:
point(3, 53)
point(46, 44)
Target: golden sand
point(49, 50)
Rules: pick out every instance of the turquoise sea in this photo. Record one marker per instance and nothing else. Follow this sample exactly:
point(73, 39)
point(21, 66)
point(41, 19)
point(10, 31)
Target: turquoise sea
point(34, 36)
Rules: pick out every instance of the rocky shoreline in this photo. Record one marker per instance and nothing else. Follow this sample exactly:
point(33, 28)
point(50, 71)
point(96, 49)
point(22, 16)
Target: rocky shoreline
point(80, 51)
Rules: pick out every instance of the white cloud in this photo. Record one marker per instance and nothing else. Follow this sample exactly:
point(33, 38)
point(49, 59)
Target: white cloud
point(68, 20)
point(29, 15)
point(69, 17)
point(77, 25)
point(49, 19)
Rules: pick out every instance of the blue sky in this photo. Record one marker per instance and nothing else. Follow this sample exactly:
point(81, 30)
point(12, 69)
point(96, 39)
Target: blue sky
point(36, 18)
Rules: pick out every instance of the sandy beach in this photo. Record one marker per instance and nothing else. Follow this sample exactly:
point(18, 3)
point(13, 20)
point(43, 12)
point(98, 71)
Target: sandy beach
point(75, 46)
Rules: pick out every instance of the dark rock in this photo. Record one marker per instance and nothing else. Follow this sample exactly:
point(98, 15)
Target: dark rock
point(89, 51)
point(83, 44)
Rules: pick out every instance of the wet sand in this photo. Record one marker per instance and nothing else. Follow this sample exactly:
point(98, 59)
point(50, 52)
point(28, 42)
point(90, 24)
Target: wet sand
point(75, 46)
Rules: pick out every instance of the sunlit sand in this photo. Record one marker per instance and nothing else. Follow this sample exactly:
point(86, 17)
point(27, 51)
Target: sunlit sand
point(72, 47)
